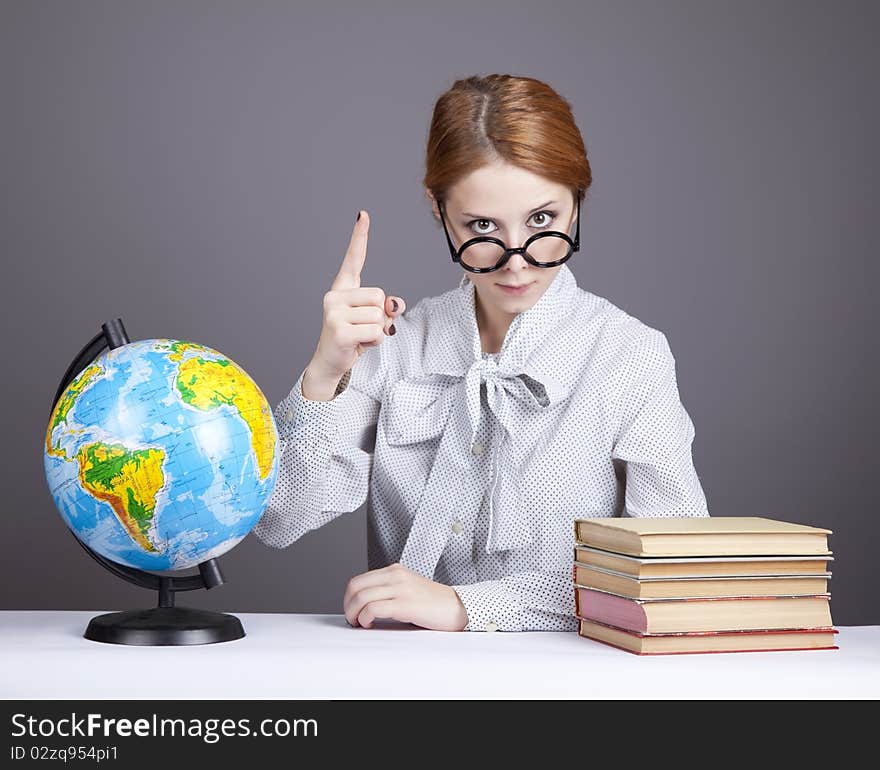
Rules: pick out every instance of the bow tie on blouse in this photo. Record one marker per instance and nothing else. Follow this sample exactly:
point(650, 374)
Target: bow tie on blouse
point(526, 378)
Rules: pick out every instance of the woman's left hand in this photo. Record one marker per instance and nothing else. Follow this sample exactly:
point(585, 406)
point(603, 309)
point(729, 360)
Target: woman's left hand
point(399, 593)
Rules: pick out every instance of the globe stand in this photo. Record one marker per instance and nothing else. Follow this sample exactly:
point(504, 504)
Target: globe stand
point(164, 624)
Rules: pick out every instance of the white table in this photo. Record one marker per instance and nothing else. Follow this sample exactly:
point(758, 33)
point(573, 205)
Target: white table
point(43, 655)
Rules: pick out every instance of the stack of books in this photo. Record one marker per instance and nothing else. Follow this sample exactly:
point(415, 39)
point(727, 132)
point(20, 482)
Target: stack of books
point(667, 585)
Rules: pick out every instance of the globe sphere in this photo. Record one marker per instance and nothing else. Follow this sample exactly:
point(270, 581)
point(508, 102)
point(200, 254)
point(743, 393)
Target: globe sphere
point(161, 454)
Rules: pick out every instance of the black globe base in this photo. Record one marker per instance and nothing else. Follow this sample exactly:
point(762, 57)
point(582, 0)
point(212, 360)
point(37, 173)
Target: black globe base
point(164, 626)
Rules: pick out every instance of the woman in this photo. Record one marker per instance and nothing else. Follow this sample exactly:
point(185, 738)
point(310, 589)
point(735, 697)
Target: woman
point(479, 424)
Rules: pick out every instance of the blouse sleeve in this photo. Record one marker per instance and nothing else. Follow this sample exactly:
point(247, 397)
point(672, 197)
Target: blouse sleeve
point(326, 454)
point(526, 601)
point(655, 438)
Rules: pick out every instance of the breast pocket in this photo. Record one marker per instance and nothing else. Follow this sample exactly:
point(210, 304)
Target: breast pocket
point(410, 426)
point(416, 410)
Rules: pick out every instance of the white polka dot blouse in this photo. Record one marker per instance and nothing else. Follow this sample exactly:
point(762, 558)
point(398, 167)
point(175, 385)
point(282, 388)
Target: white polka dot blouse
point(474, 465)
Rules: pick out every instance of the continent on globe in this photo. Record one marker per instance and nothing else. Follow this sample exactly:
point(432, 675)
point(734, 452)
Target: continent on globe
point(67, 400)
point(127, 479)
point(209, 384)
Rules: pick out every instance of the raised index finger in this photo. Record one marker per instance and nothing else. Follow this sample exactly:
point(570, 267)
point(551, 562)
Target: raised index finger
point(349, 275)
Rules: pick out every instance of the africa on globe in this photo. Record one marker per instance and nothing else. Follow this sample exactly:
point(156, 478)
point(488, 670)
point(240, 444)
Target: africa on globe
point(161, 454)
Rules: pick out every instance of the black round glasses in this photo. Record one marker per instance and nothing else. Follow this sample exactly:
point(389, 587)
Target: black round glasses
point(484, 253)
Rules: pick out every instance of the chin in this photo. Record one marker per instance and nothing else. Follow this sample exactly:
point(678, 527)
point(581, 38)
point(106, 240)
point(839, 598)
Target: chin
point(516, 304)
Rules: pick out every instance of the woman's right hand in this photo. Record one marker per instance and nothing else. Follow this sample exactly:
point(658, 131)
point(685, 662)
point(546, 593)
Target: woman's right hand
point(355, 317)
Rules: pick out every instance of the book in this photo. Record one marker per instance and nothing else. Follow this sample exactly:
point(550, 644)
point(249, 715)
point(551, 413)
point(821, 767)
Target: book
point(709, 641)
point(702, 536)
point(678, 587)
point(700, 566)
point(732, 613)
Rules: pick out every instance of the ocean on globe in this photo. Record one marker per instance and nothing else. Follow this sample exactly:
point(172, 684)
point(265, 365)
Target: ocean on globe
point(161, 454)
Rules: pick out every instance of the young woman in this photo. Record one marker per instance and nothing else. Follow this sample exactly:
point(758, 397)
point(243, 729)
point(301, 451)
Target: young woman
point(480, 423)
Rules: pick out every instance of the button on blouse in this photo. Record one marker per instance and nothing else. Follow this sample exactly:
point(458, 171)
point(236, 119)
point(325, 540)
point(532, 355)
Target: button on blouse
point(473, 465)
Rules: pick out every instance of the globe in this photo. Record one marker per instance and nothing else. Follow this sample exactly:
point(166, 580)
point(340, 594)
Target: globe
point(161, 454)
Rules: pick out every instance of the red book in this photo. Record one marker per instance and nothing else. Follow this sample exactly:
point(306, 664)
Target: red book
point(683, 615)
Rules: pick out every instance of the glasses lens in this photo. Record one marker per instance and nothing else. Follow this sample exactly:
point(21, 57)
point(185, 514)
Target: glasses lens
point(549, 248)
point(482, 255)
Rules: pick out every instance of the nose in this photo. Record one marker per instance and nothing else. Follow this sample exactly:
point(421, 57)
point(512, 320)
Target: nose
point(516, 263)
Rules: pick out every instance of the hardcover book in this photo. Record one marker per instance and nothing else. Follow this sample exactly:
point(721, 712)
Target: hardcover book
point(683, 587)
point(641, 567)
point(735, 613)
point(702, 536)
point(709, 641)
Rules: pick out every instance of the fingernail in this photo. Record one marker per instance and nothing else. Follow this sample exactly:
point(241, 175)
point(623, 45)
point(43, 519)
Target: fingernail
point(391, 329)
point(358, 217)
point(394, 304)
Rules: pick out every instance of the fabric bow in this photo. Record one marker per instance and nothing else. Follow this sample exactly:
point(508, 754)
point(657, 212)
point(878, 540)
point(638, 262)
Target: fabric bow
point(508, 394)
point(445, 402)
point(443, 399)
point(433, 401)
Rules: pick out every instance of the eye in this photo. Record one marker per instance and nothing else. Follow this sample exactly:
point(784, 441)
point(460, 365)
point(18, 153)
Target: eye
point(546, 217)
point(480, 222)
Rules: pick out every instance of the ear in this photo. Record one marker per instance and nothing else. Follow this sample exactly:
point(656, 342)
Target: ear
point(574, 218)
point(430, 196)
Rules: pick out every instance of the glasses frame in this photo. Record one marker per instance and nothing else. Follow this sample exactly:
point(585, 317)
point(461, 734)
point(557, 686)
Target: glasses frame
point(574, 245)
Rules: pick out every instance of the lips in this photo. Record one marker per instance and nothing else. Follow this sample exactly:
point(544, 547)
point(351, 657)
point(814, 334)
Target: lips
point(520, 288)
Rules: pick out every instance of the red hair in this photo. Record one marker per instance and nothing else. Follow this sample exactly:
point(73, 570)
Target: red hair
point(516, 119)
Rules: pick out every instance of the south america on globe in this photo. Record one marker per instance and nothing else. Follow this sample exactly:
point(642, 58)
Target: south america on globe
point(161, 454)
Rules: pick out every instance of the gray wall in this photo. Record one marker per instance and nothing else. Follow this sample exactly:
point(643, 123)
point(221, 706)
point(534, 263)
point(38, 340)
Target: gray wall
point(195, 167)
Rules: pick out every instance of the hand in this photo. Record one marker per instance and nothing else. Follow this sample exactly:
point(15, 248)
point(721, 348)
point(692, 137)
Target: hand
point(399, 593)
point(355, 317)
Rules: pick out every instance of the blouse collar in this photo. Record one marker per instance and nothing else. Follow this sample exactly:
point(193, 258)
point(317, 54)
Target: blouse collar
point(453, 339)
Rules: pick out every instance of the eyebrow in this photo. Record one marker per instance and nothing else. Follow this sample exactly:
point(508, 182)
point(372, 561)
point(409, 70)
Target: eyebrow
point(481, 216)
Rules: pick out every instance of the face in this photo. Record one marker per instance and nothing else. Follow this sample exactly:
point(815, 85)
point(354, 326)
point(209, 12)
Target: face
point(509, 203)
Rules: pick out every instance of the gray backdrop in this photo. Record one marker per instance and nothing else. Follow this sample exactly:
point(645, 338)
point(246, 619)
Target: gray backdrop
point(195, 168)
